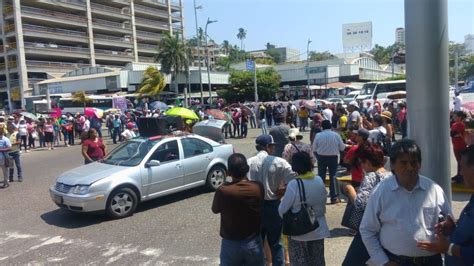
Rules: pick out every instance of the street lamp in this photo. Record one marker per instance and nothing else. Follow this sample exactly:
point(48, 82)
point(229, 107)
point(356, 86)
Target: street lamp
point(307, 68)
point(207, 60)
point(198, 50)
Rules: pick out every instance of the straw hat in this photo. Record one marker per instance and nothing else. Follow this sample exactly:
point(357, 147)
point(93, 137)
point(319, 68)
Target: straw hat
point(386, 114)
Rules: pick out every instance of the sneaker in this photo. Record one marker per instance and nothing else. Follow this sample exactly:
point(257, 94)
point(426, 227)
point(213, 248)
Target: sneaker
point(10, 179)
point(28, 151)
point(6, 185)
point(335, 201)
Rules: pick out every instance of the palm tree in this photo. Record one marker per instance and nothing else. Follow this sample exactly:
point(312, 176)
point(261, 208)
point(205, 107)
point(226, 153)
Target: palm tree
point(226, 45)
point(153, 82)
point(81, 97)
point(172, 57)
point(241, 36)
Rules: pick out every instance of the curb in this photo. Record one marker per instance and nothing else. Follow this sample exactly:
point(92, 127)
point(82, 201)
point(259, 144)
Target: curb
point(455, 188)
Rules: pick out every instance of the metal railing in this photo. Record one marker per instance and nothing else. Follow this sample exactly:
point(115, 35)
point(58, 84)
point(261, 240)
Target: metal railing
point(110, 52)
point(150, 10)
point(54, 30)
point(147, 46)
point(55, 47)
point(149, 34)
point(108, 9)
point(146, 59)
point(150, 22)
point(33, 63)
point(112, 38)
point(47, 13)
point(111, 24)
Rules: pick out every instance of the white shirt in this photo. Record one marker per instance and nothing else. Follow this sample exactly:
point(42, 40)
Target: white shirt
point(396, 218)
point(271, 174)
point(316, 194)
point(328, 143)
point(327, 114)
point(128, 134)
point(457, 103)
point(87, 125)
point(374, 133)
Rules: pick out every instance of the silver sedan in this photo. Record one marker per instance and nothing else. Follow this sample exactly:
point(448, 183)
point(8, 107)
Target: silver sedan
point(142, 169)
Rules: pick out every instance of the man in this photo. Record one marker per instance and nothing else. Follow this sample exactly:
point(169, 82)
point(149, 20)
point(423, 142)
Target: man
point(280, 134)
point(457, 102)
point(116, 131)
point(327, 112)
point(402, 210)
point(327, 145)
point(240, 205)
point(5, 147)
point(355, 119)
point(274, 173)
point(14, 153)
point(378, 133)
point(357, 174)
point(303, 115)
point(296, 145)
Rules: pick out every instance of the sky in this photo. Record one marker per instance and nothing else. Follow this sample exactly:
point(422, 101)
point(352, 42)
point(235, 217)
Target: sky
point(290, 23)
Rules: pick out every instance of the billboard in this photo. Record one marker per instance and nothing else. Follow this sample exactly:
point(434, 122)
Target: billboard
point(357, 37)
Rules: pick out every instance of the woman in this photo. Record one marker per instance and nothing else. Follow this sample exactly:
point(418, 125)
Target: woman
point(459, 247)
point(457, 138)
point(49, 134)
point(387, 124)
point(32, 135)
point(307, 249)
point(371, 158)
point(129, 133)
point(93, 149)
point(23, 132)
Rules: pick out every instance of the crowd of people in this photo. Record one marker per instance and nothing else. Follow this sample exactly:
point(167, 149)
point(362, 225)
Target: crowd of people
point(396, 215)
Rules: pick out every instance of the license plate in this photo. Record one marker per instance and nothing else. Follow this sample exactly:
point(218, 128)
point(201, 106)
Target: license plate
point(58, 199)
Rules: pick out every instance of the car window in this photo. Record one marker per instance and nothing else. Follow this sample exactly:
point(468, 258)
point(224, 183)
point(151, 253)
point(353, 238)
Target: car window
point(193, 147)
point(166, 152)
point(130, 153)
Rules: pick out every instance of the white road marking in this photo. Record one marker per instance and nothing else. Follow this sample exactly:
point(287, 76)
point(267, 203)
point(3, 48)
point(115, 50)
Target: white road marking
point(51, 241)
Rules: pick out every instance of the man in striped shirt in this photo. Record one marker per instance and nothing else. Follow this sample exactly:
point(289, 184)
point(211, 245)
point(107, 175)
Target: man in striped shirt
point(326, 146)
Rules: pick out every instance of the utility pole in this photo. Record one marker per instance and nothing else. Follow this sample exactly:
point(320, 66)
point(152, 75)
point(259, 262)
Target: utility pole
point(199, 50)
point(307, 69)
point(208, 61)
point(255, 80)
point(456, 70)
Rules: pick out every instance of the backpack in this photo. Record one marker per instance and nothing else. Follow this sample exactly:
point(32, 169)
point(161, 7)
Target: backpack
point(383, 141)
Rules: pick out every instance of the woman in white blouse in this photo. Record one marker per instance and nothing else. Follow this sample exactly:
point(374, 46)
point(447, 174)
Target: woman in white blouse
point(307, 249)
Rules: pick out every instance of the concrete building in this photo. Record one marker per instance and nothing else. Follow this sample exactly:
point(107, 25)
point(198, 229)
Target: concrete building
point(45, 39)
point(469, 44)
point(400, 36)
point(216, 52)
point(286, 54)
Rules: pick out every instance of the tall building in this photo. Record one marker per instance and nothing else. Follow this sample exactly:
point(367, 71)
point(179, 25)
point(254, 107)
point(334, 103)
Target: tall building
point(469, 44)
point(400, 35)
point(45, 39)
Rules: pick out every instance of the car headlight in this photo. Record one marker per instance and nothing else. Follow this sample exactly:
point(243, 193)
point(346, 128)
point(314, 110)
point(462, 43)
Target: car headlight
point(81, 189)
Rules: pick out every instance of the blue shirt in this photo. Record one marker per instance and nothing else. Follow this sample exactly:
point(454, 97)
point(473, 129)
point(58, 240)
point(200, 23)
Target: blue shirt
point(463, 235)
point(4, 143)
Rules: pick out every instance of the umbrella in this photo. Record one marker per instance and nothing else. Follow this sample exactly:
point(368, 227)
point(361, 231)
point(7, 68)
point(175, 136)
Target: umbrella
point(158, 105)
point(397, 95)
point(241, 106)
point(310, 104)
point(112, 110)
point(183, 112)
point(217, 114)
point(468, 106)
point(29, 115)
point(90, 111)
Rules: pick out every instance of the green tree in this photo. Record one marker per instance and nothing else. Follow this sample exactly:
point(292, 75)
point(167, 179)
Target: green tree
point(276, 56)
point(242, 86)
point(467, 69)
point(153, 82)
point(81, 97)
point(383, 55)
point(265, 61)
point(242, 35)
point(226, 45)
point(172, 55)
point(270, 46)
point(316, 56)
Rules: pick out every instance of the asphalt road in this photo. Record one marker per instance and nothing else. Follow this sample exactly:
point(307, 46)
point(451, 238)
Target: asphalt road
point(174, 230)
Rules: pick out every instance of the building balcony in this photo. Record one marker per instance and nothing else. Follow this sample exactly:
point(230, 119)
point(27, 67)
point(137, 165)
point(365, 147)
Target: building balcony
point(147, 48)
point(106, 25)
point(46, 66)
point(110, 55)
point(152, 24)
point(39, 15)
point(149, 36)
point(54, 33)
point(123, 13)
point(145, 59)
point(125, 42)
point(53, 50)
point(149, 11)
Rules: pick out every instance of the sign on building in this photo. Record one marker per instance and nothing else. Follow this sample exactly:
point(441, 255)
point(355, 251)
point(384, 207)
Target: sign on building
point(357, 37)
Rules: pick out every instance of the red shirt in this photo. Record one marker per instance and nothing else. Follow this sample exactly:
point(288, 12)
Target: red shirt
point(356, 170)
point(95, 150)
point(458, 129)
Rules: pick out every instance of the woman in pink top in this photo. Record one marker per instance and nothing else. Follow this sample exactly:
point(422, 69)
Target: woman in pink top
point(49, 134)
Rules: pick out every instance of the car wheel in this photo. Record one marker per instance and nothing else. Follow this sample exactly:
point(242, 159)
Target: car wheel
point(121, 203)
point(216, 177)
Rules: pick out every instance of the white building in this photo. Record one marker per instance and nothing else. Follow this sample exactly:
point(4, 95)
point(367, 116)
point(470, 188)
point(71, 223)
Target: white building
point(357, 37)
point(400, 35)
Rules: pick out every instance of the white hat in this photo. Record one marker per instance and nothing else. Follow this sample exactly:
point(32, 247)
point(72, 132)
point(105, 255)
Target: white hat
point(294, 132)
point(354, 103)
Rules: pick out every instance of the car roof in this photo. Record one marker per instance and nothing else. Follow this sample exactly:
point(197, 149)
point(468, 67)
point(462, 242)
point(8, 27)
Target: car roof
point(174, 134)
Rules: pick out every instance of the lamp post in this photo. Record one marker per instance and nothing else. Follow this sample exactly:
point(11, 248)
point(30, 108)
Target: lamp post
point(207, 60)
point(198, 50)
point(307, 68)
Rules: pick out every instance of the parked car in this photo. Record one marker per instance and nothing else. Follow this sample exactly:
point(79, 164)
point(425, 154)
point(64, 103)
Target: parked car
point(335, 101)
point(142, 169)
point(351, 96)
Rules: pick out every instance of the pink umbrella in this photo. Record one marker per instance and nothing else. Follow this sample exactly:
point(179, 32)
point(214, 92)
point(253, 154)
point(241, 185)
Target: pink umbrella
point(90, 111)
point(469, 106)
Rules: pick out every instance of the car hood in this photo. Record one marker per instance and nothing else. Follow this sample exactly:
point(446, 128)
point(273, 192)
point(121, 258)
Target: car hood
point(89, 173)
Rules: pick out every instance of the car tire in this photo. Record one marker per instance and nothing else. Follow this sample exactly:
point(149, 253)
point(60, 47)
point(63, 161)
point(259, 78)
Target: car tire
point(121, 203)
point(216, 177)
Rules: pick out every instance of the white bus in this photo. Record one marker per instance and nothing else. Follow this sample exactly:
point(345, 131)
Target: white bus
point(380, 89)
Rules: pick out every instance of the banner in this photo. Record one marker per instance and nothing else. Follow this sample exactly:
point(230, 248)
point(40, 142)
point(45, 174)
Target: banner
point(119, 102)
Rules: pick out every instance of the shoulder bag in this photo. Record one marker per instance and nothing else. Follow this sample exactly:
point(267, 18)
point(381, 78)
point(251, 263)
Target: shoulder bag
point(303, 221)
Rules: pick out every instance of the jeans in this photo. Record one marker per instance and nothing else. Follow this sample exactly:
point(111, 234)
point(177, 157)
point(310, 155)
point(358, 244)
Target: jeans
point(115, 134)
point(263, 125)
point(70, 136)
point(236, 130)
point(244, 130)
point(23, 141)
point(328, 163)
point(5, 171)
point(16, 158)
point(253, 122)
point(243, 252)
point(357, 253)
point(269, 120)
point(31, 142)
point(272, 226)
point(228, 130)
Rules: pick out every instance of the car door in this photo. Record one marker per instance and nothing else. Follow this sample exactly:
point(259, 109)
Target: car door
point(196, 157)
point(169, 174)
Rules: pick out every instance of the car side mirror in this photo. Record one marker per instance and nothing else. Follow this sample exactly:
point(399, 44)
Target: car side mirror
point(152, 163)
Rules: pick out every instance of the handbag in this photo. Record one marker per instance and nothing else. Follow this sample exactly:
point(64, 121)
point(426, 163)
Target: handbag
point(352, 216)
point(303, 221)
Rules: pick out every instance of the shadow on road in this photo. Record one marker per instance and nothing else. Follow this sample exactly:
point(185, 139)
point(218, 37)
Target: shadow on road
point(170, 199)
point(338, 232)
point(71, 220)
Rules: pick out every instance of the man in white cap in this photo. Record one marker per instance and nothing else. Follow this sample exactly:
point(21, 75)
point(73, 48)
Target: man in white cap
point(296, 145)
point(354, 121)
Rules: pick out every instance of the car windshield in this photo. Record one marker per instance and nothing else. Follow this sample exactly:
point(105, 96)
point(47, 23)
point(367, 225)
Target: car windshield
point(367, 89)
point(130, 153)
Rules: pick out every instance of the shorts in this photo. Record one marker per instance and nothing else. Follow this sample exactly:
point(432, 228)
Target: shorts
point(48, 136)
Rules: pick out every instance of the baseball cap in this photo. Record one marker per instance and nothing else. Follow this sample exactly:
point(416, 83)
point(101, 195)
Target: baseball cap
point(364, 133)
point(264, 140)
point(354, 103)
